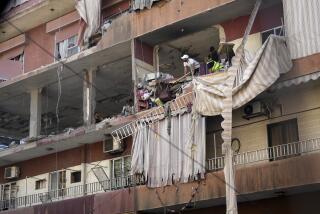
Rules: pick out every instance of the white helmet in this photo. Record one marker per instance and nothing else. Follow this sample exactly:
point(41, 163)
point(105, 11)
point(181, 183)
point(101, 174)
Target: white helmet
point(185, 57)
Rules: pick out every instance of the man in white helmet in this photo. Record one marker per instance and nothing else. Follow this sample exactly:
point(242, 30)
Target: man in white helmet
point(190, 64)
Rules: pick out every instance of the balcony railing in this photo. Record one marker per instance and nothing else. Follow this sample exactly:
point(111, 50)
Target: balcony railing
point(268, 154)
point(72, 192)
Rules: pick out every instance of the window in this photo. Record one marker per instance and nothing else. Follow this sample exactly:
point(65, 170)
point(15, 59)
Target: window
point(120, 167)
point(274, 31)
point(41, 184)
point(67, 48)
point(18, 58)
point(75, 177)
point(282, 133)
point(9, 190)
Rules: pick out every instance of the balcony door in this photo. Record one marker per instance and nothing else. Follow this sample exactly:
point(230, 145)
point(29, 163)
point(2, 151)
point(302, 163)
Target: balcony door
point(281, 138)
point(57, 183)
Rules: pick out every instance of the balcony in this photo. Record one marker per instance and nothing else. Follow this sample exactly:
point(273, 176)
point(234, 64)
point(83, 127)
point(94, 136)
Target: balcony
point(248, 159)
point(268, 154)
point(72, 192)
point(21, 18)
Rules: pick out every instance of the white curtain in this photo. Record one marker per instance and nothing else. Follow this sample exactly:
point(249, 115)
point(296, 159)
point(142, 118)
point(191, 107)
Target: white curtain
point(165, 158)
point(141, 4)
point(90, 12)
point(63, 49)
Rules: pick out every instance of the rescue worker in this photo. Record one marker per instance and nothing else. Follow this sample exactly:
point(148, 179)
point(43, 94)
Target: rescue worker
point(213, 63)
point(190, 64)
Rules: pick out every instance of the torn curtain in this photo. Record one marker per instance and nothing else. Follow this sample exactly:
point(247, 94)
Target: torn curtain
point(220, 93)
point(270, 61)
point(141, 4)
point(165, 159)
point(90, 12)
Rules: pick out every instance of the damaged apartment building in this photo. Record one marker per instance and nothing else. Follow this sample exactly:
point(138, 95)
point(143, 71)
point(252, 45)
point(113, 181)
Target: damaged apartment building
point(102, 111)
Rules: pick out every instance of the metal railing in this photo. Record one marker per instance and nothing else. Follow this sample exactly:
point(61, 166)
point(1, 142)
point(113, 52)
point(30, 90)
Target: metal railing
point(152, 116)
point(270, 153)
point(72, 192)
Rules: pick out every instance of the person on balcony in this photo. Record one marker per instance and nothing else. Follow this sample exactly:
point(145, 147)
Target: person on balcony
point(190, 64)
point(213, 63)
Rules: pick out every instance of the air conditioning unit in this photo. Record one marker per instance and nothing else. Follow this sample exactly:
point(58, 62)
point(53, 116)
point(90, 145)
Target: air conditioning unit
point(254, 109)
point(11, 172)
point(112, 145)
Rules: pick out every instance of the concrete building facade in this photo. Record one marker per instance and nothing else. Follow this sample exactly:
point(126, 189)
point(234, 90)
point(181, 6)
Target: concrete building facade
point(59, 108)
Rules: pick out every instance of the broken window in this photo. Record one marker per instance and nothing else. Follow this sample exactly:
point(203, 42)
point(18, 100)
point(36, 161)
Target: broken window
point(18, 58)
point(75, 177)
point(67, 48)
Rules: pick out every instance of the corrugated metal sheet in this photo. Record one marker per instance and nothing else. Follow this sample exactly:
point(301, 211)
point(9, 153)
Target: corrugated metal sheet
point(302, 21)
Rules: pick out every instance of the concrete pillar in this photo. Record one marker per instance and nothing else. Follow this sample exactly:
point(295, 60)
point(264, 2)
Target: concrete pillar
point(156, 59)
point(35, 113)
point(134, 74)
point(89, 97)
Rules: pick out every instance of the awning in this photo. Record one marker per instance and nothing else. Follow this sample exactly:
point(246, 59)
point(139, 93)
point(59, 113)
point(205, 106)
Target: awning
point(271, 60)
point(302, 27)
point(296, 81)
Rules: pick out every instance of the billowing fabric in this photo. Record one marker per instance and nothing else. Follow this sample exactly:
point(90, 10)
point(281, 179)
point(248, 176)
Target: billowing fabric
point(271, 60)
point(296, 81)
point(90, 12)
point(221, 92)
point(141, 4)
point(302, 22)
point(165, 158)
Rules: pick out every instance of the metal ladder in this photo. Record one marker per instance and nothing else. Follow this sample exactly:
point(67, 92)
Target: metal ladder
point(154, 115)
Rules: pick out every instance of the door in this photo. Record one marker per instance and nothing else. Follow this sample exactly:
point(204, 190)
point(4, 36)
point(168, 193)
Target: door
point(57, 183)
point(281, 138)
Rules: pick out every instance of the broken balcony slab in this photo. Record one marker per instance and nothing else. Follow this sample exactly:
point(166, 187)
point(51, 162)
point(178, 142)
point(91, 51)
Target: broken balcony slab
point(64, 141)
point(113, 86)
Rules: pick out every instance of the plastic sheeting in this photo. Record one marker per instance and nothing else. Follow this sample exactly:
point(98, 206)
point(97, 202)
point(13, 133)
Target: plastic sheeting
point(90, 12)
point(165, 159)
point(141, 4)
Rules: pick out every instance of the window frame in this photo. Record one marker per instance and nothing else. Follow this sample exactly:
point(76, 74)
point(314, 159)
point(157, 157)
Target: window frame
point(274, 32)
point(269, 135)
point(72, 177)
point(40, 186)
point(123, 173)
point(57, 44)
